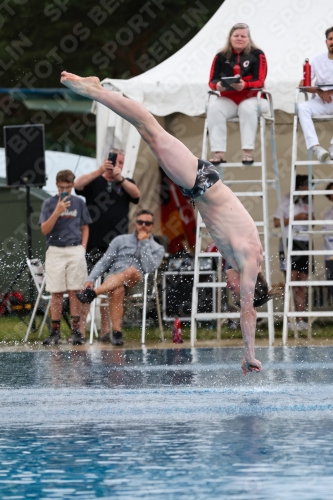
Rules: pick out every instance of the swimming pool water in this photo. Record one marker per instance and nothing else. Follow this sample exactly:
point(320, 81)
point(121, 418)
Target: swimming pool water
point(166, 424)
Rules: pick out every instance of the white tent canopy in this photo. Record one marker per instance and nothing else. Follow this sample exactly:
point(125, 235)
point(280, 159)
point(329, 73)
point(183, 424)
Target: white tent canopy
point(287, 31)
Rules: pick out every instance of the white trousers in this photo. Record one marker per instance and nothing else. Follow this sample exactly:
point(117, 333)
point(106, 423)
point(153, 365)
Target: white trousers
point(222, 109)
point(306, 110)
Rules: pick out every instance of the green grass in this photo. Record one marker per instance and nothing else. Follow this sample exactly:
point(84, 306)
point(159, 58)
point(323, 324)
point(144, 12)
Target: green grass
point(12, 331)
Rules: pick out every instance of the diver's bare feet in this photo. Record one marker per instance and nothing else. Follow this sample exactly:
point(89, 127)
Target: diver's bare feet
point(80, 85)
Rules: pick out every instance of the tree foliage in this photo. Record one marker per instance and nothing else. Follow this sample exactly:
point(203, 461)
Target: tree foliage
point(106, 38)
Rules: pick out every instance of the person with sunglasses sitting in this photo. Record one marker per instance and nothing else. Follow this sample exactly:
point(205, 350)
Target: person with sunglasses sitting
point(127, 258)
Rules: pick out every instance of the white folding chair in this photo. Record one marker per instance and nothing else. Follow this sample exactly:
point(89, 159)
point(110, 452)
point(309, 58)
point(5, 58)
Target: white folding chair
point(142, 300)
point(144, 296)
point(154, 294)
point(100, 301)
point(37, 272)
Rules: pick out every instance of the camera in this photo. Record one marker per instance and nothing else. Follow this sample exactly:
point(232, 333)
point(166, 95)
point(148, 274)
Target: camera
point(113, 158)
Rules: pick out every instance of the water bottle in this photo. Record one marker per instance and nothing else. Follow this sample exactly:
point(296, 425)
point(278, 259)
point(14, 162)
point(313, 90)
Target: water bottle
point(177, 332)
point(307, 73)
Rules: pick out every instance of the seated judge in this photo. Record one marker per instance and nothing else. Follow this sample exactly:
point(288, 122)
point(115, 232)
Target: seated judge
point(240, 56)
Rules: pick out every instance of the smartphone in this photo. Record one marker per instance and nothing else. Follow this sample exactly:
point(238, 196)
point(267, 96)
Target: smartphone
point(63, 195)
point(113, 158)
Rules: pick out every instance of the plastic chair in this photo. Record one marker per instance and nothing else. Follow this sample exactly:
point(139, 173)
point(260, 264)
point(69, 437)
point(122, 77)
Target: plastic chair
point(37, 272)
point(141, 300)
point(97, 303)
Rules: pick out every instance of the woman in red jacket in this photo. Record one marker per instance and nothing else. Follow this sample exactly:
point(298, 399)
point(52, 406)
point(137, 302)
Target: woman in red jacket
point(240, 56)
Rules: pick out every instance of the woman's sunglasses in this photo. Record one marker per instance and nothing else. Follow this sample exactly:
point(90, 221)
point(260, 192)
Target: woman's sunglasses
point(146, 222)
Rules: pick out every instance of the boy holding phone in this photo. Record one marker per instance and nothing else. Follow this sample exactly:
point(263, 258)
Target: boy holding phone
point(64, 221)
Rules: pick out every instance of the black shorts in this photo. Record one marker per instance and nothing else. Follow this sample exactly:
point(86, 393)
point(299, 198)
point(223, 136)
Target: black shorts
point(298, 262)
point(207, 176)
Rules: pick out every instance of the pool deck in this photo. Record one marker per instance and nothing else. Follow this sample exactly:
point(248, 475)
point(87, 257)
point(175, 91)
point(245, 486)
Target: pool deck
point(212, 344)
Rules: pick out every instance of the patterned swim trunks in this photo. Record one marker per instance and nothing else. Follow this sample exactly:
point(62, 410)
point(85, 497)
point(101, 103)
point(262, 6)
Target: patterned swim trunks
point(207, 176)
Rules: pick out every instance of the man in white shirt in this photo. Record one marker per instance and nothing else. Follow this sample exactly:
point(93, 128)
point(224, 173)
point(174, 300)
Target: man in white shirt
point(299, 263)
point(328, 238)
point(322, 103)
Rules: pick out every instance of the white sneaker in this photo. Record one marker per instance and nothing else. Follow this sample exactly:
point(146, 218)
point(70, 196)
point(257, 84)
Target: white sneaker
point(331, 151)
point(301, 325)
point(320, 153)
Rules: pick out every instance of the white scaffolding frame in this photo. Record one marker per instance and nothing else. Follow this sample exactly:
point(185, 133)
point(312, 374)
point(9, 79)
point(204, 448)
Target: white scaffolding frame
point(289, 311)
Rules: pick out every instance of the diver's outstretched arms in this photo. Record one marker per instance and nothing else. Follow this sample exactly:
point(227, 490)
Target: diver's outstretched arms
point(254, 366)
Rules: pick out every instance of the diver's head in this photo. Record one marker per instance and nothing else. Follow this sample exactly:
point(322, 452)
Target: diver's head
point(261, 292)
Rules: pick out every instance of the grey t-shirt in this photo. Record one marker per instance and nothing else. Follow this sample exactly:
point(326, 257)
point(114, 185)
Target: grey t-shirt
point(67, 230)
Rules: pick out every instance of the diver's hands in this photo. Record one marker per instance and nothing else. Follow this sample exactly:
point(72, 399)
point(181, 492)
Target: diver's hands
point(250, 365)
